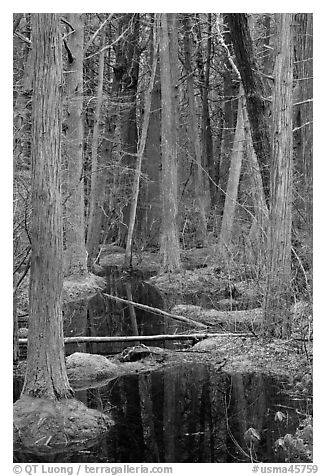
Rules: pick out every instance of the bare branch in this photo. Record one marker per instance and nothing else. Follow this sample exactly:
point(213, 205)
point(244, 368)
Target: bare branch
point(303, 102)
point(303, 125)
point(110, 45)
point(90, 41)
point(67, 23)
point(23, 38)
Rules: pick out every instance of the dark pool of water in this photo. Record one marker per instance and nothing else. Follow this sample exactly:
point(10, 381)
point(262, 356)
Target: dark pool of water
point(101, 316)
point(186, 414)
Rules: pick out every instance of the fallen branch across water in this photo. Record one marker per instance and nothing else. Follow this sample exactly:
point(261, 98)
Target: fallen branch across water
point(155, 310)
point(79, 339)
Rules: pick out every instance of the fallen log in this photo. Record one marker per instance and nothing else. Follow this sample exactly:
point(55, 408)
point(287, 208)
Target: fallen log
point(80, 339)
point(156, 311)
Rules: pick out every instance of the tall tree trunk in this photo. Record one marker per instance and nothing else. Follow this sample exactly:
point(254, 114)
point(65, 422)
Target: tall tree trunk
point(135, 188)
point(98, 174)
point(234, 176)
point(74, 221)
point(303, 114)
point(46, 372)
point(257, 238)
point(278, 289)
point(201, 224)
point(208, 160)
point(170, 248)
point(255, 91)
point(126, 71)
point(151, 193)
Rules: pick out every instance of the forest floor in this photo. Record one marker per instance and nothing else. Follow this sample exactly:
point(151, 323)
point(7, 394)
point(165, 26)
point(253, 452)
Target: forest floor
point(225, 297)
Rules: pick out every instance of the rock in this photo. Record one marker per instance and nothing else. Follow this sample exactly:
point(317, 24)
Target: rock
point(83, 367)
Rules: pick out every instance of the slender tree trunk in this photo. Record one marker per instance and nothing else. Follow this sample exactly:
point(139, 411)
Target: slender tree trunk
point(151, 189)
point(259, 228)
point(132, 312)
point(135, 189)
point(170, 249)
point(201, 228)
point(255, 91)
point(46, 372)
point(74, 222)
point(208, 160)
point(278, 289)
point(234, 176)
point(98, 174)
point(303, 116)
point(126, 71)
point(230, 93)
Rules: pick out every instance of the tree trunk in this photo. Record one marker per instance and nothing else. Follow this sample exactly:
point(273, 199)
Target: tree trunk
point(46, 372)
point(98, 174)
point(255, 92)
point(74, 222)
point(170, 249)
point(201, 224)
point(234, 176)
point(208, 160)
point(126, 72)
point(278, 289)
point(257, 238)
point(135, 188)
point(303, 117)
point(151, 194)
point(230, 93)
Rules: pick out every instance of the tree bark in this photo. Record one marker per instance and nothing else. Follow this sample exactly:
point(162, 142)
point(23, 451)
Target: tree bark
point(255, 92)
point(278, 288)
point(135, 188)
point(201, 224)
point(126, 71)
point(208, 160)
point(74, 221)
point(234, 176)
point(151, 190)
point(257, 238)
point(303, 116)
point(46, 372)
point(98, 174)
point(170, 249)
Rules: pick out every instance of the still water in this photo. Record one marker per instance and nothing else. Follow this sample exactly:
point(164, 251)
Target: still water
point(189, 413)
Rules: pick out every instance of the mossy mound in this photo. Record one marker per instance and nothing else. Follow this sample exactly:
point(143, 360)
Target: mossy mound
point(47, 426)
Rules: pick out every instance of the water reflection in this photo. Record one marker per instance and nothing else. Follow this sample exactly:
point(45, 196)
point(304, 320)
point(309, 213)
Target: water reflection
point(101, 316)
point(188, 413)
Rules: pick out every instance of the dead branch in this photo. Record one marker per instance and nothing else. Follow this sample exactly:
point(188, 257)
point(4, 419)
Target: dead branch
point(155, 310)
point(80, 339)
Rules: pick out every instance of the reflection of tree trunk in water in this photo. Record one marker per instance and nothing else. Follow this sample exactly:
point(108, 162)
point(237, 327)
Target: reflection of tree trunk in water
point(258, 405)
point(205, 428)
point(219, 451)
point(132, 313)
point(240, 408)
point(147, 417)
point(90, 331)
point(169, 416)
